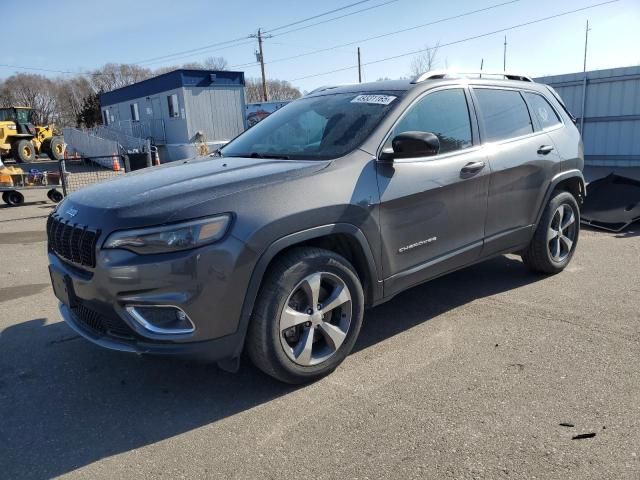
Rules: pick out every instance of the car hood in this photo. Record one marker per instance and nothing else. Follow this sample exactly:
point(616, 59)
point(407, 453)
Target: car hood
point(165, 193)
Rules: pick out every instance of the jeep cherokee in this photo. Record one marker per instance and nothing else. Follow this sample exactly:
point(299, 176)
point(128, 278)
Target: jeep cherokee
point(335, 203)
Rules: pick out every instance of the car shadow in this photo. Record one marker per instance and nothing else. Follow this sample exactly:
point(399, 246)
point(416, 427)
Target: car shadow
point(65, 403)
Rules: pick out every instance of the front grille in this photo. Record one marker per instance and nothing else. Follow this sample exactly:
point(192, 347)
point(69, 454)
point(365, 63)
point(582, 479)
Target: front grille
point(73, 242)
point(102, 324)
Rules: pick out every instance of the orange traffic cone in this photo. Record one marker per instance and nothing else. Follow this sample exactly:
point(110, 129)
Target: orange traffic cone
point(116, 164)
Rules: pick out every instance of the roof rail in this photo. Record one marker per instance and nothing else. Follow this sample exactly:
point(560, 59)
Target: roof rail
point(328, 87)
point(439, 74)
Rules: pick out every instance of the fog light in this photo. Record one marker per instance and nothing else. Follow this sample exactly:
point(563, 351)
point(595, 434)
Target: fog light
point(161, 319)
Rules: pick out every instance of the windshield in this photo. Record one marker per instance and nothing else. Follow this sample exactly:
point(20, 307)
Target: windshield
point(324, 127)
point(23, 115)
point(18, 115)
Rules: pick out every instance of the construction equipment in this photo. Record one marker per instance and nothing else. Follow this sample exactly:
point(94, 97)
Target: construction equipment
point(22, 140)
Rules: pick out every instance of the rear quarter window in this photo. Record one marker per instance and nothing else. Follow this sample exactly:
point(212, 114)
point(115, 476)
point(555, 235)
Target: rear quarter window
point(542, 110)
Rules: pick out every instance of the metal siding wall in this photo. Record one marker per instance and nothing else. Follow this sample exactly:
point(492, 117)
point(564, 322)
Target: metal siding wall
point(608, 141)
point(215, 111)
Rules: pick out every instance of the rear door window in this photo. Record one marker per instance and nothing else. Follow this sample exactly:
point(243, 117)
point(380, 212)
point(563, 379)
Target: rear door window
point(542, 110)
point(504, 114)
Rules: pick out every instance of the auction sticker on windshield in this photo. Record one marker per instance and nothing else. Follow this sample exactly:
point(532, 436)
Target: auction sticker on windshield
point(375, 99)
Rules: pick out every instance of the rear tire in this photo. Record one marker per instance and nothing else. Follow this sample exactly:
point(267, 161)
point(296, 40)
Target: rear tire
point(556, 236)
point(54, 195)
point(294, 340)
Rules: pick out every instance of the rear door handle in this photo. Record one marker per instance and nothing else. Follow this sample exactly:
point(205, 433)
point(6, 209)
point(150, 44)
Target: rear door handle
point(545, 149)
point(472, 167)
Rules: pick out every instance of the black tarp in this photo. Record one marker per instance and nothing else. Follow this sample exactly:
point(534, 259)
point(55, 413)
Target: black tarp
point(612, 203)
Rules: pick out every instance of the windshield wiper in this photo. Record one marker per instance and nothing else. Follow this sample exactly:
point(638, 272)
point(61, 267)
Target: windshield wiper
point(266, 155)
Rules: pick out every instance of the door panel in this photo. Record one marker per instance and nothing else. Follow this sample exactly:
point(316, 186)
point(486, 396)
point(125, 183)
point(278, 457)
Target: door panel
point(429, 211)
point(432, 209)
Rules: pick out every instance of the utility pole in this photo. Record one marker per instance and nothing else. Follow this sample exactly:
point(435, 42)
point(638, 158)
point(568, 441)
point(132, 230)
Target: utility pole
point(260, 58)
point(359, 67)
point(481, 66)
point(504, 55)
point(584, 80)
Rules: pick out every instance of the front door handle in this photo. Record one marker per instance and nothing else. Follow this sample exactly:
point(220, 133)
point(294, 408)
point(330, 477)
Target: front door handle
point(472, 167)
point(545, 149)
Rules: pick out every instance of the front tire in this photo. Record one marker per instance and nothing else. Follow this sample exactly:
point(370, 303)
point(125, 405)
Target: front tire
point(307, 315)
point(556, 236)
point(23, 151)
point(56, 148)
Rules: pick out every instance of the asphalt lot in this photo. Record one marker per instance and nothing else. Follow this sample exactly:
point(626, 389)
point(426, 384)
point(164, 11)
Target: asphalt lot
point(468, 376)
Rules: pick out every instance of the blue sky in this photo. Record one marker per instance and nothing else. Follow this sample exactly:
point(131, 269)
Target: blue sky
point(89, 34)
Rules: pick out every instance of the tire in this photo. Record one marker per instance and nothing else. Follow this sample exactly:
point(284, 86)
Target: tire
point(13, 198)
point(56, 148)
point(551, 249)
point(4, 197)
point(54, 195)
point(314, 345)
point(23, 151)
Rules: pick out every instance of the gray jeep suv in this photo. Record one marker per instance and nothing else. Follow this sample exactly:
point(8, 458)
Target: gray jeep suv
point(334, 203)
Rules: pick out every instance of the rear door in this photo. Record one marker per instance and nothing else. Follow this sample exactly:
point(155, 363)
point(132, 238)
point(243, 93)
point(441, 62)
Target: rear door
point(433, 208)
point(523, 159)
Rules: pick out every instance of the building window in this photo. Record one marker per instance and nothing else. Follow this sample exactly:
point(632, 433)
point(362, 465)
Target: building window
point(174, 111)
point(135, 115)
point(105, 116)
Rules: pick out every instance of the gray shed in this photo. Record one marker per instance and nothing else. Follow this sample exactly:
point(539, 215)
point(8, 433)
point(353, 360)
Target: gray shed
point(611, 112)
point(179, 108)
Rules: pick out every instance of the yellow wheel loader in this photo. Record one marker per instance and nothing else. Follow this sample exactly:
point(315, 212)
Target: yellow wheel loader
point(22, 140)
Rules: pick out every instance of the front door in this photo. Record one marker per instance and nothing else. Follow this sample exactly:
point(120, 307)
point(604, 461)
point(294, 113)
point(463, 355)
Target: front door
point(433, 209)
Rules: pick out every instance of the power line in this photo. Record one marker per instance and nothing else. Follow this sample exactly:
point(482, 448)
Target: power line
point(316, 16)
point(240, 41)
point(414, 52)
point(336, 18)
point(204, 48)
point(376, 37)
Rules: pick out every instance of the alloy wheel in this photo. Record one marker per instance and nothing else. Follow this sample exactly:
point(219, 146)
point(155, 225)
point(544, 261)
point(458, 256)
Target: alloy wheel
point(316, 319)
point(562, 233)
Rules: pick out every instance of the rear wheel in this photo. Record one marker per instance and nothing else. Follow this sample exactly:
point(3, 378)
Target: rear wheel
point(307, 316)
point(56, 148)
point(556, 236)
point(23, 151)
point(13, 198)
point(54, 195)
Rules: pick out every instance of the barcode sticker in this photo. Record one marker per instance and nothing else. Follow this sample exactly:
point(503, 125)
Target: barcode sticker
point(375, 99)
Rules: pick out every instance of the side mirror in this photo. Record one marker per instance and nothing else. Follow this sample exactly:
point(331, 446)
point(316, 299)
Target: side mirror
point(411, 145)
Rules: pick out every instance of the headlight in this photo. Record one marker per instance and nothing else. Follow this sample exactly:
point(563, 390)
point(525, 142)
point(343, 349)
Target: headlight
point(171, 238)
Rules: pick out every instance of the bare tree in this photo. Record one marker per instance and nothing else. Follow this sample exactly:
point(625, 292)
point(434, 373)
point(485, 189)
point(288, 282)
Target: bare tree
point(278, 90)
point(114, 75)
point(425, 61)
point(34, 91)
point(71, 96)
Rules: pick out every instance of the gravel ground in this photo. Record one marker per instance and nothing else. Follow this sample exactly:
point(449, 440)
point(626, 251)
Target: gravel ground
point(468, 376)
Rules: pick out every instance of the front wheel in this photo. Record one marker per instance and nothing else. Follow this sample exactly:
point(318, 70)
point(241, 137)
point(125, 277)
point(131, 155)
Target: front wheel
point(556, 236)
point(307, 316)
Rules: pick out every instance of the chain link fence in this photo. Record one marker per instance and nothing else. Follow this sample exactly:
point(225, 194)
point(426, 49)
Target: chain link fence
point(80, 172)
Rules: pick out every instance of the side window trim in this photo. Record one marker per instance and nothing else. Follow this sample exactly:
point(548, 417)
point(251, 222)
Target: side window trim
point(481, 124)
point(471, 111)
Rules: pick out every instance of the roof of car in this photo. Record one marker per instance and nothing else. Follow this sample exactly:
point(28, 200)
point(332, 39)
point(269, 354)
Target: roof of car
point(439, 77)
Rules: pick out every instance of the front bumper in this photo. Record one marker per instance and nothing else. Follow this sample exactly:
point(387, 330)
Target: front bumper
point(208, 284)
point(211, 350)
